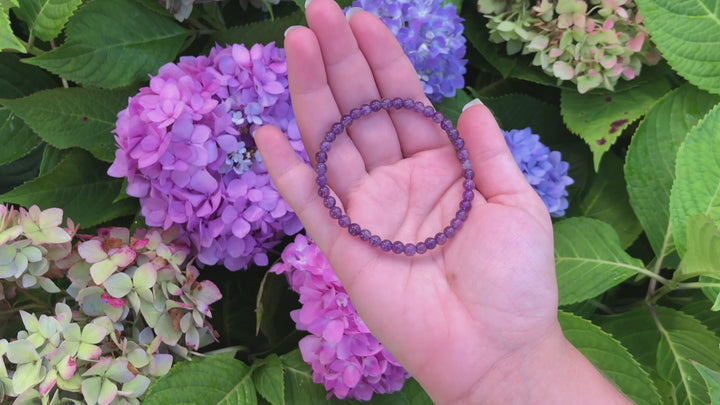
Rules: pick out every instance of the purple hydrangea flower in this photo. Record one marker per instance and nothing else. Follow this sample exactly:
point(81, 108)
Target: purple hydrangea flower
point(431, 35)
point(342, 352)
point(185, 144)
point(543, 169)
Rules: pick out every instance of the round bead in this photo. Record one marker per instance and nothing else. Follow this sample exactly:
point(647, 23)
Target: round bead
point(398, 247)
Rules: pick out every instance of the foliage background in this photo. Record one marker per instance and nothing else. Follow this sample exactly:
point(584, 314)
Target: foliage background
point(637, 255)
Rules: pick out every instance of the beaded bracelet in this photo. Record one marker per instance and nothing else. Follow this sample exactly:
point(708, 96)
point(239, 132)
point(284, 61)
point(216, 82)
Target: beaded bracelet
point(409, 249)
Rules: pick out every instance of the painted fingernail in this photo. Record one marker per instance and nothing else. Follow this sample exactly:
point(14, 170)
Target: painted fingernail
point(307, 2)
point(472, 102)
point(290, 28)
point(351, 11)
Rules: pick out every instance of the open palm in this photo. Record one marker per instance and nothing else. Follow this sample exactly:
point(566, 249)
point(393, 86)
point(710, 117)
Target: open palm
point(450, 314)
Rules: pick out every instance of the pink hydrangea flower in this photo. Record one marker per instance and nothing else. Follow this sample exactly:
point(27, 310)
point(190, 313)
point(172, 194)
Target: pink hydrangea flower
point(185, 144)
point(344, 355)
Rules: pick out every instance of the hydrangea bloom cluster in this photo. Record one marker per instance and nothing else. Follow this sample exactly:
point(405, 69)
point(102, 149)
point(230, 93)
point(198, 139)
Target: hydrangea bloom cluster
point(543, 169)
point(29, 242)
point(136, 298)
point(342, 352)
point(591, 43)
point(186, 146)
point(431, 34)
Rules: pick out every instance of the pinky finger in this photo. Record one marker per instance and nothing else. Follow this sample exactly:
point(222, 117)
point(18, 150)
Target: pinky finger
point(296, 182)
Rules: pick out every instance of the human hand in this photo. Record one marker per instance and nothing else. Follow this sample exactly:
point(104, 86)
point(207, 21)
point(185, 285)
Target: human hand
point(449, 315)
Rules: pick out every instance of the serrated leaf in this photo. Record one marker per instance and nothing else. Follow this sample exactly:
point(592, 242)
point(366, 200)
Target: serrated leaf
point(18, 79)
point(46, 18)
point(697, 182)
point(600, 117)
point(80, 187)
point(74, 117)
point(19, 171)
point(607, 200)
point(8, 40)
point(684, 338)
point(269, 381)
point(650, 162)
point(703, 249)
point(134, 42)
point(18, 139)
point(262, 32)
point(610, 358)
point(589, 259)
point(209, 380)
point(712, 381)
point(688, 35)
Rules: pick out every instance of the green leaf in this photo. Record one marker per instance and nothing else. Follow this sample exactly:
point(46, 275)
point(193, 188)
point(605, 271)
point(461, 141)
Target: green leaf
point(451, 108)
point(600, 117)
point(80, 187)
point(684, 338)
point(712, 381)
point(607, 200)
point(610, 358)
point(46, 18)
point(74, 117)
point(262, 32)
point(697, 185)
point(19, 171)
point(209, 380)
point(589, 259)
point(703, 249)
point(18, 139)
point(688, 35)
point(8, 40)
point(271, 294)
point(650, 162)
point(268, 379)
point(18, 79)
point(134, 42)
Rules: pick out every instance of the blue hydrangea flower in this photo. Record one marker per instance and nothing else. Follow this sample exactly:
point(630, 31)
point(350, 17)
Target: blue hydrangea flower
point(543, 168)
point(431, 36)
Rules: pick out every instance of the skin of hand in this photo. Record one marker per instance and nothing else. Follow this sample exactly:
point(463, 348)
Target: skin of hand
point(467, 315)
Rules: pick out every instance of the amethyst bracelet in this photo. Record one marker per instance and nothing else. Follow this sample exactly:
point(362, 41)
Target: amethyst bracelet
point(409, 249)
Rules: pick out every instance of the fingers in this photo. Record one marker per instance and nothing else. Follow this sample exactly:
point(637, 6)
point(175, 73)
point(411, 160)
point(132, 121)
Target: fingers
point(497, 175)
point(296, 182)
point(395, 76)
point(352, 84)
point(316, 110)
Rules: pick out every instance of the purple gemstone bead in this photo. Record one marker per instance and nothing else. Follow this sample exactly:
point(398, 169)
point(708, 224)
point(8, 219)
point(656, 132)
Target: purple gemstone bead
point(468, 184)
point(321, 168)
point(330, 136)
point(469, 174)
point(321, 157)
point(386, 245)
point(354, 229)
point(325, 146)
point(366, 110)
point(355, 113)
point(344, 221)
point(398, 247)
point(410, 249)
point(420, 247)
point(461, 215)
point(468, 195)
point(375, 241)
point(321, 180)
point(430, 243)
point(456, 223)
point(429, 112)
point(465, 164)
point(449, 231)
point(329, 202)
point(459, 143)
point(375, 105)
point(441, 238)
point(419, 107)
point(409, 103)
point(446, 124)
point(438, 117)
point(365, 235)
point(453, 134)
point(335, 213)
point(337, 128)
point(386, 103)
point(346, 120)
point(463, 154)
point(324, 191)
point(465, 205)
point(398, 103)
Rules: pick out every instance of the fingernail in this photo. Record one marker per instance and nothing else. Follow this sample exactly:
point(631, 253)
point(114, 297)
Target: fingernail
point(290, 28)
point(472, 102)
point(307, 2)
point(352, 10)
